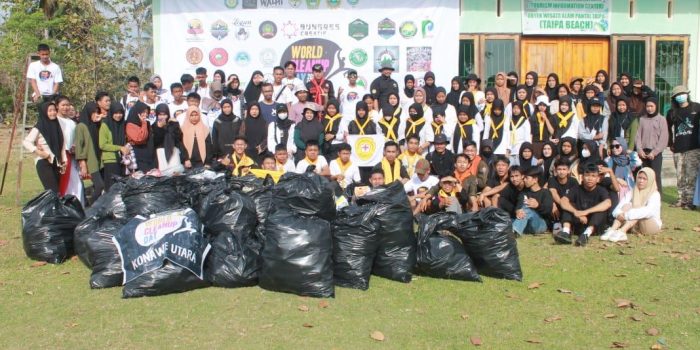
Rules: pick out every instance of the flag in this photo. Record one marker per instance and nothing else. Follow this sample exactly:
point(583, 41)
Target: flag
point(367, 150)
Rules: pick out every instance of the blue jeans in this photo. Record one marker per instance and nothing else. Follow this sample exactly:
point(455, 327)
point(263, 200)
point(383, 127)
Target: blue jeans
point(533, 223)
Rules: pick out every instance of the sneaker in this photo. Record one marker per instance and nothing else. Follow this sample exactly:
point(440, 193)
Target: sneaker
point(562, 237)
point(556, 228)
point(618, 236)
point(607, 234)
point(582, 240)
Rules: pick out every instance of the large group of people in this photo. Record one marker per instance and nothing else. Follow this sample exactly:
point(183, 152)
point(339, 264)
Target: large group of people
point(574, 158)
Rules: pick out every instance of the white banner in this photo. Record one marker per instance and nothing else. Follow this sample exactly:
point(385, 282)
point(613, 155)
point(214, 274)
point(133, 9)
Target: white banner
point(367, 150)
point(242, 36)
point(566, 17)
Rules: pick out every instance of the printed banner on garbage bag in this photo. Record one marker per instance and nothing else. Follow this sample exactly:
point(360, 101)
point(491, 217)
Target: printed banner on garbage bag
point(144, 244)
point(367, 150)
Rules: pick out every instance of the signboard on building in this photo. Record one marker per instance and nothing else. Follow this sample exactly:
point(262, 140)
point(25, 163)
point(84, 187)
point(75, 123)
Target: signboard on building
point(244, 36)
point(566, 17)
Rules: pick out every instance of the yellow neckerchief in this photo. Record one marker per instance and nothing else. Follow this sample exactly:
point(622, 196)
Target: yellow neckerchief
point(496, 128)
point(515, 127)
point(437, 128)
point(280, 167)
point(363, 126)
point(390, 133)
point(344, 167)
point(444, 194)
point(525, 109)
point(414, 123)
point(564, 119)
point(243, 162)
point(310, 162)
point(391, 175)
point(411, 161)
point(262, 174)
point(331, 121)
point(462, 125)
point(540, 120)
point(487, 109)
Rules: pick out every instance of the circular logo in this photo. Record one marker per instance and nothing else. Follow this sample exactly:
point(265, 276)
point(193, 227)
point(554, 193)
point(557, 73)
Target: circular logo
point(365, 148)
point(218, 57)
point(268, 29)
point(362, 81)
point(386, 28)
point(231, 3)
point(268, 57)
point(408, 29)
point(219, 29)
point(358, 57)
point(242, 58)
point(194, 55)
point(194, 27)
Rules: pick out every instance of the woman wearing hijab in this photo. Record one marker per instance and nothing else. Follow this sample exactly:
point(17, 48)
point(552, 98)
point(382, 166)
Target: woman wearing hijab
point(45, 140)
point(568, 150)
point(623, 123)
point(456, 91)
point(639, 210)
point(429, 88)
point(551, 87)
point(523, 96)
point(625, 81)
point(310, 129)
point(473, 111)
point(621, 164)
point(255, 132)
point(541, 126)
point(526, 158)
point(227, 126)
point(253, 89)
point(602, 79)
point(497, 128)
point(167, 141)
point(196, 140)
point(232, 91)
point(614, 94)
point(501, 86)
point(595, 126)
point(87, 148)
point(465, 130)
point(139, 136)
point(390, 123)
point(490, 95)
point(112, 142)
point(409, 88)
point(549, 154)
point(520, 131)
point(652, 138)
point(416, 125)
point(512, 83)
point(280, 132)
point(565, 122)
point(420, 97)
point(531, 84)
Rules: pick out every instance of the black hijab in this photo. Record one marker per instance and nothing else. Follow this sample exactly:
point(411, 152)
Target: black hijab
point(511, 85)
point(50, 130)
point(606, 83)
point(552, 93)
point(627, 89)
point(620, 121)
point(409, 92)
point(117, 128)
point(171, 134)
point(227, 117)
point(531, 88)
point(252, 91)
point(593, 148)
point(454, 95)
point(574, 152)
point(388, 108)
point(430, 90)
point(655, 101)
point(134, 112)
point(527, 89)
point(255, 128)
point(526, 164)
point(229, 91)
point(417, 107)
point(547, 161)
point(93, 127)
point(311, 129)
point(472, 110)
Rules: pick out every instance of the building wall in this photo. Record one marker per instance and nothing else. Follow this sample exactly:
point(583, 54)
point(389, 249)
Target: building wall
point(650, 18)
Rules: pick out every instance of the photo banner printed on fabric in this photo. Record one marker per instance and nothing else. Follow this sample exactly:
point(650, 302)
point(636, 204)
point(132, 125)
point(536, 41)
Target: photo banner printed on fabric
point(367, 150)
point(566, 17)
point(238, 37)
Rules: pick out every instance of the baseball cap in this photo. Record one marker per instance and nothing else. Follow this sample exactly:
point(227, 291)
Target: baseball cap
point(422, 167)
point(317, 67)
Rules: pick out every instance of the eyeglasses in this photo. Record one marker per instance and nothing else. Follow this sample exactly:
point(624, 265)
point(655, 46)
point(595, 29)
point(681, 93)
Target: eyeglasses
point(617, 146)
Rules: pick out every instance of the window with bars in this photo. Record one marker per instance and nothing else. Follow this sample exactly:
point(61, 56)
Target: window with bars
point(467, 61)
point(631, 58)
point(669, 70)
point(499, 56)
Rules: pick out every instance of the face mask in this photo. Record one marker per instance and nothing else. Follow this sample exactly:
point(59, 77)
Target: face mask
point(282, 116)
point(682, 98)
point(413, 114)
point(585, 153)
point(486, 153)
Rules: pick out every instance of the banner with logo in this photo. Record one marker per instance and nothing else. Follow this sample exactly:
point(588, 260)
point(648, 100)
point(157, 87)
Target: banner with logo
point(176, 236)
point(242, 36)
point(367, 150)
point(566, 17)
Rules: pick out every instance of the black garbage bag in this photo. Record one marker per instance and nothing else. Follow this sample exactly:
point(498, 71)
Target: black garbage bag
point(396, 255)
point(163, 254)
point(440, 254)
point(488, 239)
point(101, 254)
point(297, 255)
point(260, 190)
point(150, 195)
point(109, 207)
point(197, 184)
point(306, 194)
point(48, 223)
point(110, 204)
point(230, 221)
point(355, 243)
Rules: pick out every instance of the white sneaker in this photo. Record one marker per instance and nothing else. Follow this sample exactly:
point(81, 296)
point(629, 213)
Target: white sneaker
point(607, 234)
point(618, 236)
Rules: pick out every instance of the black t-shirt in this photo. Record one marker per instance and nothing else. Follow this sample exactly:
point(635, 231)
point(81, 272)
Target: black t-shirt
point(582, 199)
point(441, 164)
point(562, 190)
point(494, 180)
point(381, 87)
point(683, 127)
point(508, 198)
point(543, 197)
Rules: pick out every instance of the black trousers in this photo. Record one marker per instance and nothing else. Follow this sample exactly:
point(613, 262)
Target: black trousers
point(98, 186)
point(597, 220)
point(656, 166)
point(112, 170)
point(48, 175)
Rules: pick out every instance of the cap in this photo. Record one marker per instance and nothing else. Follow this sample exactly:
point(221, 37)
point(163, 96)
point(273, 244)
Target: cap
point(680, 89)
point(542, 100)
point(448, 179)
point(317, 67)
point(311, 106)
point(300, 89)
point(386, 65)
point(596, 101)
point(440, 139)
point(422, 167)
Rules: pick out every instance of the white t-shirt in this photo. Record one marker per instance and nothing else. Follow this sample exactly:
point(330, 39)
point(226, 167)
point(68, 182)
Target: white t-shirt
point(286, 95)
point(349, 98)
point(129, 101)
point(293, 85)
point(352, 174)
point(303, 164)
point(288, 167)
point(177, 111)
point(45, 76)
point(415, 183)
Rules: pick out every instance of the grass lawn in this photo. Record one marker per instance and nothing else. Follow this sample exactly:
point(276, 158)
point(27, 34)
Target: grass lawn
point(568, 300)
